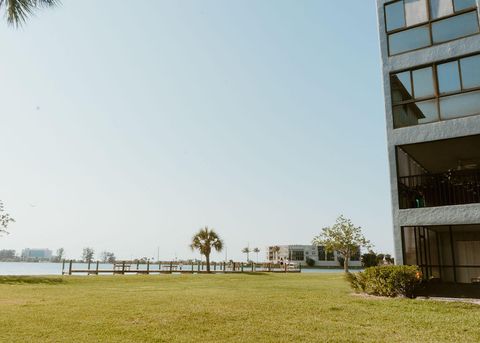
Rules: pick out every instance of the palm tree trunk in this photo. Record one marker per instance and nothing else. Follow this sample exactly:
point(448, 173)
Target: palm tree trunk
point(207, 259)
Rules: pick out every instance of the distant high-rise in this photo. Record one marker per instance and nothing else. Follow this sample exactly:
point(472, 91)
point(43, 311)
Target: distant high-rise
point(41, 254)
point(431, 75)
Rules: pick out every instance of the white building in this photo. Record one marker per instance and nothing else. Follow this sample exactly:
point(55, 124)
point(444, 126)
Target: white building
point(431, 77)
point(300, 254)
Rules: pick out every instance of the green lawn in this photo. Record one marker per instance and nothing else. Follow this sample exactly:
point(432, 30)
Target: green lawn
point(221, 308)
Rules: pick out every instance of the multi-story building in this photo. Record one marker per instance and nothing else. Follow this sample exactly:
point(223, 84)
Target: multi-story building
point(39, 254)
point(431, 74)
point(300, 254)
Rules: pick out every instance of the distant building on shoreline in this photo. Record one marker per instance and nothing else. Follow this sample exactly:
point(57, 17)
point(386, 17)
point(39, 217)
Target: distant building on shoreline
point(36, 254)
point(300, 254)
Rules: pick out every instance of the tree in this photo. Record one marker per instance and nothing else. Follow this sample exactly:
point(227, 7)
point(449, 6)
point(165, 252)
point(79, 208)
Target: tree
point(204, 240)
point(107, 257)
point(369, 259)
point(5, 218)
point(343, 237)
point(256, 251)
point(276, 250)
point(247, 251)
point(60, 255)
point(17, 11)
point(87, 255)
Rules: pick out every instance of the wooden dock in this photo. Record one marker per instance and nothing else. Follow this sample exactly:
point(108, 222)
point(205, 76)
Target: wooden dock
point(170, 267)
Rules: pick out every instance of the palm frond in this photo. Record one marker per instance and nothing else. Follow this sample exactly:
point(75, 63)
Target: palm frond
point(18, 11)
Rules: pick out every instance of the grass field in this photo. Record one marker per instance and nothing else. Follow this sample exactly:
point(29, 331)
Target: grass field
point(221, 308)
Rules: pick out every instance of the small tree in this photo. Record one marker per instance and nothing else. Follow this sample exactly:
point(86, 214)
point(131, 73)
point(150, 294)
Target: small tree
point(256, 251)
point(87, 254)
point(5, 219)
point(107, 257)
point(247, 251)
point(59, 256)
point(204, 240)
point(343, 237)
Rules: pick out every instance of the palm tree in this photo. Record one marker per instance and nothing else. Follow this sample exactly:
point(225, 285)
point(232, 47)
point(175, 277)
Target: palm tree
point(247, 251)
point(276, 250)
point(204, 240)
point(256, 251)
point(17, 11)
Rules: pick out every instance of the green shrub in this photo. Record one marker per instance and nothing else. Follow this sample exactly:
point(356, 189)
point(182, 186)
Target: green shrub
point(310, 262)
point(389, 281)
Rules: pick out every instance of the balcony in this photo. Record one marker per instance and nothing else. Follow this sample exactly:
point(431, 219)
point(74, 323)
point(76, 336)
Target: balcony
point(439, 173)
point(444, 189)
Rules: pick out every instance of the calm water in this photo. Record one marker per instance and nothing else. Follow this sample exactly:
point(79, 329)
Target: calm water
point(25, 268)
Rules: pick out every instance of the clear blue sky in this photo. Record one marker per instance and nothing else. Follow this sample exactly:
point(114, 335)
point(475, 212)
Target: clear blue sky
point(126, 127)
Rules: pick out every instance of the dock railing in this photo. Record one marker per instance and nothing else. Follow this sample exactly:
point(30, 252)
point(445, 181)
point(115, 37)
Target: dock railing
point(169, 267)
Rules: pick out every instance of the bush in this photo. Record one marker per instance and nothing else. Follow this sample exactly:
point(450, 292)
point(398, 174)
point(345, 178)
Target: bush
point(389, 281)
point(310, 262)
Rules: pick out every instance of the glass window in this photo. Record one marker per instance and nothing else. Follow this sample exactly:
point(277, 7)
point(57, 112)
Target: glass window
point(470, 71)
point(405, 115)
point(401, 87)
point(440, 8)
point(455, 27)
point(395, 16)
point(460, 105)
point(321, 253)
point(448, 77)
point(463, 4)
point(407, 40)
point(330, 256)
point(423, 82)
point(415, 12)
point(427, 111)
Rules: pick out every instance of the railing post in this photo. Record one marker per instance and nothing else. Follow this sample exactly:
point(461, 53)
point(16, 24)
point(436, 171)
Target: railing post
point(241, 266)
point(63, 266)
point(171, 267)
point(88, 273)
point(70, 268)
point(192, 267)
point(123, 268)
point(96, 271)
point(252, 267)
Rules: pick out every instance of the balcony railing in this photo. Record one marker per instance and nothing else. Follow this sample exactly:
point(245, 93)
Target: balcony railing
point(430, 190)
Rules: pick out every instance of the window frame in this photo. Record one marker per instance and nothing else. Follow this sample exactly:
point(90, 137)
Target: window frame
point(428, 23)
point(437, 95)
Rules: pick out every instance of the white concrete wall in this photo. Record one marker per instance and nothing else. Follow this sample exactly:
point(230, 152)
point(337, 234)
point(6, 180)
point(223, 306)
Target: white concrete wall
point(463, 214)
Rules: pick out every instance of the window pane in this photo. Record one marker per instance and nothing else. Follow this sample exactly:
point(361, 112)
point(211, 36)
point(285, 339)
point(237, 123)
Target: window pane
point(456, 27)
point(423, 82)
point(395, 16)
point(470, 71)
point(401, 87)
point(461, 105)
point(463, 4)
point(412, 39)
point(415, 113)
point(415, 12)
point(440, 8)
point(448, 77)
point(428, 111)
